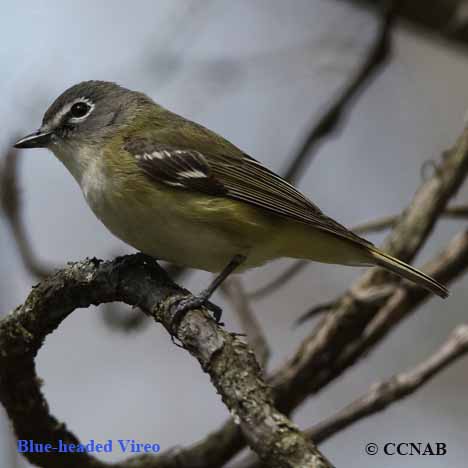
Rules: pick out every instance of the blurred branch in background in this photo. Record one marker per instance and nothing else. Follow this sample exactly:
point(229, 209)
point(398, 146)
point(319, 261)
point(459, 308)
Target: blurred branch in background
point(399, 386)
point(234, 291)
point(12, 206)
point(452, 212)
point(447, 19)
point(333, 118)
point(123, 319)
point(182, 29)
point(281, 280)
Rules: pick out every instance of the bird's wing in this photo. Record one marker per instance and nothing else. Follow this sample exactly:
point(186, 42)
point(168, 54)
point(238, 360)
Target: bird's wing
point(241, 178)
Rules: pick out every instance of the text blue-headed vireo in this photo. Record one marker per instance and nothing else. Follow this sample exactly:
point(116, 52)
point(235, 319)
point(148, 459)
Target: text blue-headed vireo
point(179, 192)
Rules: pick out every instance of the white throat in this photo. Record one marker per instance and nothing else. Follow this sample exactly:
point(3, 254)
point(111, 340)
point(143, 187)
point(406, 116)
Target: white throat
point(85, 165)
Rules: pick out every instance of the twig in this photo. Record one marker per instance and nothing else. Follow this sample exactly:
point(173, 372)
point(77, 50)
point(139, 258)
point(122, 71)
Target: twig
point(234, 290)
point(279, 281)
point(315, 311)
point(332, 119)
point(399, 386)
point(11, 204)
point(446, 19)
point(452, 212)
point(454, 259)
point(123, 319)
point(138, 280)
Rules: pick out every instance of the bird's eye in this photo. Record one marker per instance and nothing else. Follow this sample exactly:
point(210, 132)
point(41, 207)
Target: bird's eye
point(79, 109)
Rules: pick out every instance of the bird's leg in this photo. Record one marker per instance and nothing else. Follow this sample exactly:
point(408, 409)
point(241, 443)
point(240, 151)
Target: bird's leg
point(193, 302)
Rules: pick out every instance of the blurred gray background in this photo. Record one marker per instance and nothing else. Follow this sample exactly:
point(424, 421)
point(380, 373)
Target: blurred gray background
point(257, 72)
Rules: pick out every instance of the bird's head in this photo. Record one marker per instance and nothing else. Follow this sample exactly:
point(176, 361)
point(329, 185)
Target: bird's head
point(85, 114)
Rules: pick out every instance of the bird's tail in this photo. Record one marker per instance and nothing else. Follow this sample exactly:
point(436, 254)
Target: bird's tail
point(407, 271)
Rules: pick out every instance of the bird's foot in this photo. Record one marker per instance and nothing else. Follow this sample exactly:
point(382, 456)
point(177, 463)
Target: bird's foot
point(184, 305)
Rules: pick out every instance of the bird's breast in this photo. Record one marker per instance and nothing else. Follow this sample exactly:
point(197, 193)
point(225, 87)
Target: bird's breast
point(184, 228)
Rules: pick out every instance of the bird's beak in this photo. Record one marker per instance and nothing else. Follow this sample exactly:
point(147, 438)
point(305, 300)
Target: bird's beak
point(38, 139)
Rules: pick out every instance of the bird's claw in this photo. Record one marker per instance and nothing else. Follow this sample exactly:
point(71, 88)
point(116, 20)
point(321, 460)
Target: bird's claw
point(185, 304)
point(216, 310)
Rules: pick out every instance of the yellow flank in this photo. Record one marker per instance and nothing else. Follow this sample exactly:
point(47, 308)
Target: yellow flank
point(210, 230)
point(304, 241)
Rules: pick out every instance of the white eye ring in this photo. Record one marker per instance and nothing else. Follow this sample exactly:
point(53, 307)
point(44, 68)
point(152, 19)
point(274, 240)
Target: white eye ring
point(88, 107)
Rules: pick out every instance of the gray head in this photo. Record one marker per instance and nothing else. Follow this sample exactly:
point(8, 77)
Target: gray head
point(85, 112)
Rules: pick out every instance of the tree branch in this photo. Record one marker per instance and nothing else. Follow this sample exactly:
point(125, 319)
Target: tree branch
point(283, 278)
point(137, 280)
point(396, 388)
point(11, 204)
point(452, 212)
point(447, 19)
point(332, 119)
point(235, 292)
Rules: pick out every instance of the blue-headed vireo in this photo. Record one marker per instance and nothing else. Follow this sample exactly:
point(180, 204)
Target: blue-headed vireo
point(179, 192)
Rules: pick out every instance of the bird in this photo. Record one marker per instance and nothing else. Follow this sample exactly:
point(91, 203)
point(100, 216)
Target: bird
point(177, 191)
